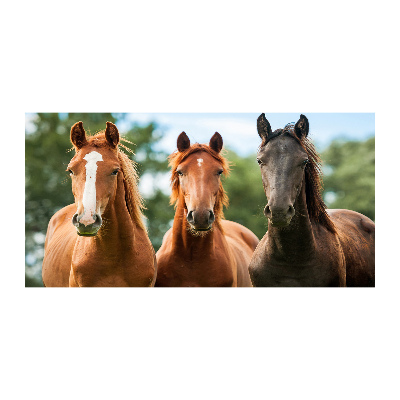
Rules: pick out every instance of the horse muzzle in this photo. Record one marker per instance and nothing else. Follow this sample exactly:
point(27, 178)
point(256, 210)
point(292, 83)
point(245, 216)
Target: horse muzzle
point(279, 216)
point(89, 229)
point(201, 220)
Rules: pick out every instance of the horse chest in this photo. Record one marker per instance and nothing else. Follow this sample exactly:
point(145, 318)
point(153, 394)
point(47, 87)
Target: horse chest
point(285, 275)
point(186, 272)
point(266, 270)
point(112, 269)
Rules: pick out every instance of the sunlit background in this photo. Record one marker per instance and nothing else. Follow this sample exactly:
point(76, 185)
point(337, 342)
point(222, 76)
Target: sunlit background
point(346, 142)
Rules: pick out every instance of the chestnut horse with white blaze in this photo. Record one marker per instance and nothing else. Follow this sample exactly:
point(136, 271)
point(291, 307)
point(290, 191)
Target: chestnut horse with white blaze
point(100, 240)
point(306, 244)
point(201, 248)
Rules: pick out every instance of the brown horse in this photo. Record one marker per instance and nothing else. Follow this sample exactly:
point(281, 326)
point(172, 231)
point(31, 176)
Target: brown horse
point(100, 240)
point(201, 248)
point(306, 244)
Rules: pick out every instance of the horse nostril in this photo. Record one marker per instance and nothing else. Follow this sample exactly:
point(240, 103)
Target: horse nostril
point(291, 211)
point(75, 220)
point(97, 220)
point(267, 211)
point(212, 217)
point(189, 217)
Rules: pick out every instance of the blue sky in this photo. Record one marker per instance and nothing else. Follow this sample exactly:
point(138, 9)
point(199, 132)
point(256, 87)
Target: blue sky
point(239, 129)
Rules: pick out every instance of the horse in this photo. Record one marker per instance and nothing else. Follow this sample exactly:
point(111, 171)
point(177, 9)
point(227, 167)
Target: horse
point(202, 249)
point(100, 240)
point(306, 244)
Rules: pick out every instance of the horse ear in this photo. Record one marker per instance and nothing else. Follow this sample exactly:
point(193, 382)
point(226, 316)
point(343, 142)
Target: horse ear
point(78, 135)
point(263, 127)
point(112, 134)
point(216, 142)
point(183, 142)
point(302, 127)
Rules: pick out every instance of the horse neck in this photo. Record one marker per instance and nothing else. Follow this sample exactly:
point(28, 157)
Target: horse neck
point(118, 230)
point(184, 241)
point(120, 224)
point(297, 238)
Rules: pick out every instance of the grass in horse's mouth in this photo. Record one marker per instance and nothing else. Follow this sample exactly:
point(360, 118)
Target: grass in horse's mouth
point(86, 234)
point(199, 232)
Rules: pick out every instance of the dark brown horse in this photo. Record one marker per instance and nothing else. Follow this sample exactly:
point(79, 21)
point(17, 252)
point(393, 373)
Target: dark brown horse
point(201, 248)
point(100, 240)
point(306, 244)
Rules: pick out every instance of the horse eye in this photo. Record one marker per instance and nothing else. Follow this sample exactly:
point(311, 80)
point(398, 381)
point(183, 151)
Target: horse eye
point(115, 172)
point(220, 172)
point(259, 161)
point(70, 171)
point(179, 173)
point(305, 162)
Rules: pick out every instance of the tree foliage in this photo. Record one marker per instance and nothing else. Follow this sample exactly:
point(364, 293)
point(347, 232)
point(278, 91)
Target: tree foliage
point(349, 178)
point(246, 194)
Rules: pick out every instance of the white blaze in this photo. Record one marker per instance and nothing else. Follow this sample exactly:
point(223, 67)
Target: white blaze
point(201, 185)
point(89, 193)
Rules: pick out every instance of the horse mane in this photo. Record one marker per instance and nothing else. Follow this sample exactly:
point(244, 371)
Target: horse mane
point(134, 200)
point(313, 177)
point(177, 158)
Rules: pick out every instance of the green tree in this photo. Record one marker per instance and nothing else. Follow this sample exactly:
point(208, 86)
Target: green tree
point(159, 214)
point(246, 194)
point(349, 176)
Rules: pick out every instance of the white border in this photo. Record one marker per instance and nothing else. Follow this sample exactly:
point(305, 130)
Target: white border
point(170, 57)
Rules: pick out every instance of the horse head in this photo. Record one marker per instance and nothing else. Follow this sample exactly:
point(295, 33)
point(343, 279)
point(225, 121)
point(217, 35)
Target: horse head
point(283, 159)
point(197, 177)
point(95, 170)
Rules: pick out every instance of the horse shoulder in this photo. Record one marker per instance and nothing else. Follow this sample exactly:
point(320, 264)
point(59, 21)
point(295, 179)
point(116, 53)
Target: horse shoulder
point(242, 243)
point(167, 237)
point(353, 228)
point(356, 233)
point(165, 247)
point(59, 244)
point(58, 220)
point(240, 234)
